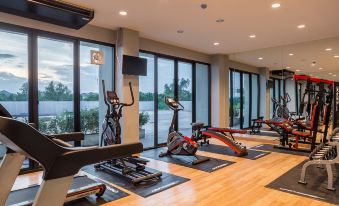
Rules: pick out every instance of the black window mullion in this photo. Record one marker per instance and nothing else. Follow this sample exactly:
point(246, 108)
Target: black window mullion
point(194, 92)
point(259, 96)
point(76, 88)
point(250, 96)
point(176, 88)
point(241, 100)
point(156, 101)
point(231, 98)
point(209, 96)
point(33, 100)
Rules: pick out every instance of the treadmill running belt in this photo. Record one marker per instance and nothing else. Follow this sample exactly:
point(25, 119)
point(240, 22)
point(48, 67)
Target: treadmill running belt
point(27, 195)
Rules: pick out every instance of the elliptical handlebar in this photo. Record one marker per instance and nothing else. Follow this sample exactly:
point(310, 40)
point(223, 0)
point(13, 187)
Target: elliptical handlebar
point(121, 104)
point(174, 105)
point(104, 92)
point(132, 96)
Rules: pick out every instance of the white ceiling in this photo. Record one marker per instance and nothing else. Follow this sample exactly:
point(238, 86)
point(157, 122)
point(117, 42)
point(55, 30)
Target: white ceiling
point(304, 55)
point(160, 20)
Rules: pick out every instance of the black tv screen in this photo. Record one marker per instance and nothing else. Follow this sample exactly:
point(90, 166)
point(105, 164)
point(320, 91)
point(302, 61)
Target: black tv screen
point(132, 65)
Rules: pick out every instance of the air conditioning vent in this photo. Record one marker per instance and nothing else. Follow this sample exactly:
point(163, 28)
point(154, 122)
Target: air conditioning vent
point(50, 11)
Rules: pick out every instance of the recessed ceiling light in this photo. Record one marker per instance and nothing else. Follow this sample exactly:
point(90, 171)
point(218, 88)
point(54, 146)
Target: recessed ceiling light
point(298, 70)
point(180, 31)
point(334, 75)
point(123, 13)
point(291, 54)
point(328, 49)
point(330, 73)
point(216, 43)
point(301, 26)
point(253, 36)
point(321, 68)
point(220, 20)
point(260, 58)
point(203, 6)
point(336, 56)
point(276, 5)
point(288, 67)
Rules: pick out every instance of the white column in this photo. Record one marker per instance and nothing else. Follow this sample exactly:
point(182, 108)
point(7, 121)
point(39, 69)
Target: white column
point(220, 90)
point(265, 99)
point(127, 43)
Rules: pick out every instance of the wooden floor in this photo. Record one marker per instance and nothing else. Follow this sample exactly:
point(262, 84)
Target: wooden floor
point(242, 183)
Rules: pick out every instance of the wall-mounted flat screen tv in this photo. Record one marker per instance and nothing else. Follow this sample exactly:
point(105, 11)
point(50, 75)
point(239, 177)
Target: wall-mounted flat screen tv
point(132, 65)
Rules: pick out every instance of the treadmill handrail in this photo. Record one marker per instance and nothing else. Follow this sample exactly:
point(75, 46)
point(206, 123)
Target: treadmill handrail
point(57, 161)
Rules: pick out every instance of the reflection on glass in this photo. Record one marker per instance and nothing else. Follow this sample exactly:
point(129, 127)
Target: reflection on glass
point(236, 100)
point(202, 92)
point(91, 94)
point(14, 77)
point(165, 88)
point(146, 103)
point(55, 84)
point(271, 103)
point(185, 97)
point(246, 100)
point(255, 95)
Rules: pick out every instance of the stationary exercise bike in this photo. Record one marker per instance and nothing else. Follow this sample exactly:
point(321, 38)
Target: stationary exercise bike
point(130, 167)
point(177, 144)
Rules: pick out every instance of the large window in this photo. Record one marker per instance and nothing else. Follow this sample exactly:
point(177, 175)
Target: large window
point(202, 98)
point(14, 76)
point(146, 103)
point(55, 86)
point(185, 97)
point(92, 107)
point(244, 98)
point(184, 80)
point(165, 89)
point(47, 79)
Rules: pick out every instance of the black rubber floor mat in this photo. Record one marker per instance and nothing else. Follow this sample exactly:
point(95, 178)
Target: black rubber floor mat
point(271, 148)
point(224, 150)
point(145, 190)
point(209, 166)
point(28, 194)
point(316, 183)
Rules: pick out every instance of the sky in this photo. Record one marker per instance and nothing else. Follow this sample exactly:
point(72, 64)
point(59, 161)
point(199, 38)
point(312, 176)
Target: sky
point(55, 63)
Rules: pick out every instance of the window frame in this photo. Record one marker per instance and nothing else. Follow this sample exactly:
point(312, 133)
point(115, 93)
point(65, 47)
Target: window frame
point(32, 57)
point(241, 72)
point(176, 63)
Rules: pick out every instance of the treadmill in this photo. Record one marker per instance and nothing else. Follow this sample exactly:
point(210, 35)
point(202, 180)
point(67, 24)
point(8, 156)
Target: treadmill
point(81, 187)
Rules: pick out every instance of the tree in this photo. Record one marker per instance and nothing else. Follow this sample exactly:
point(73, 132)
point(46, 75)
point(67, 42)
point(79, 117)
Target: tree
point(49, 94)
point(184, 93)
point(56, 92)
point(62, 93)
point(22, 95)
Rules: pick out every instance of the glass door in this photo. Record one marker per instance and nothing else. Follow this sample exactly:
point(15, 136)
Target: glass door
point(55, 85)
point(245, 111)
point(146, 103)
point(14, 78)
point(92, 106)
point(235, 100)
point(165, 89)
point(185, 97)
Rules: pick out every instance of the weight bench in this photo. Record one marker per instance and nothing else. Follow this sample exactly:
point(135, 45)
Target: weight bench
point(256, 125)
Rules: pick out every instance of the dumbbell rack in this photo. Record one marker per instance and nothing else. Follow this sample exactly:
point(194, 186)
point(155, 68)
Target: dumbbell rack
point(323, 154)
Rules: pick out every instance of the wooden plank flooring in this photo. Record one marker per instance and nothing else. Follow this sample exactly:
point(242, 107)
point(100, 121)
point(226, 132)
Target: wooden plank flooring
point(242, 183)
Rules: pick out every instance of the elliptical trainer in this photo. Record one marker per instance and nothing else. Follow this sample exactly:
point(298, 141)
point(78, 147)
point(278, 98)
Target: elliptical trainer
point(177, 144)
point(131, 167)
